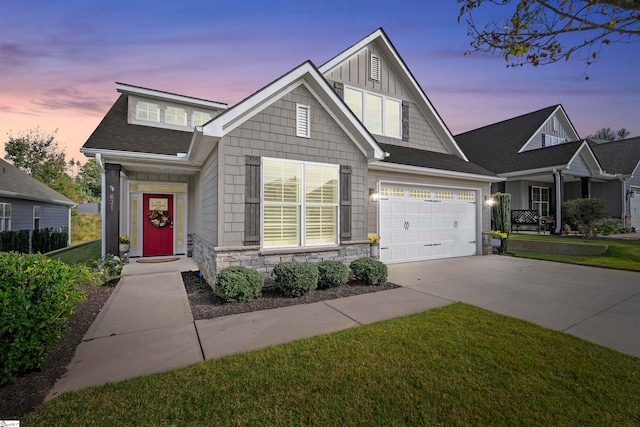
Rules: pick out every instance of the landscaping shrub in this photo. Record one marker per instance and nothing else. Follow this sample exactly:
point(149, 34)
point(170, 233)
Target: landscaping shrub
point(47, 240)
point(608, 225)
point(17, 241)
point(294, 279)
point(239, 283)
point(37, 296)
point(369, 271)
point(332, 274)
point(583, 213)
point(109, 267)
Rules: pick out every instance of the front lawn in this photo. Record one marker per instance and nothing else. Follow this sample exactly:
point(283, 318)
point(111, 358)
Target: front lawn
point(622, 254)
point(456, 365)
point(83, 254)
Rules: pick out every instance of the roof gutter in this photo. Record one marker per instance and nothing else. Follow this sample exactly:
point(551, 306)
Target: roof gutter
point(433, 172)
point(35, 198)
point(180, 157)
point(551, 169)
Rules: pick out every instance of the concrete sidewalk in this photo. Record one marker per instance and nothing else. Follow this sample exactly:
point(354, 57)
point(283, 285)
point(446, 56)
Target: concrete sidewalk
point(147, 327)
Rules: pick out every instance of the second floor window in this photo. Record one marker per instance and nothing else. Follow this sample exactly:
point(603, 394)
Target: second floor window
point(381, 115)
point(147, 111)
point(175, 116)
point(552, 140)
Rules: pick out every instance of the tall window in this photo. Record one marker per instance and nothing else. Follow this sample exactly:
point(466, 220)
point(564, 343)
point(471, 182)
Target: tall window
point(300, 203)
point(36, 217)
point(540, 200)
point(200, 117)
point(147, 111)
point(5, 216)
point(380, 114)
point(175, 116)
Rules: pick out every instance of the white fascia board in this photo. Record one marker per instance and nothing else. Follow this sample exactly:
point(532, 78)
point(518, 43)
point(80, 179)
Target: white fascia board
point(383, 166)
point(125, 88)
point(305, 75)
point(15, 195)
point(128, 156)
point(549, 169)
point(389, 50)
point(635, 170)
point(592, 157)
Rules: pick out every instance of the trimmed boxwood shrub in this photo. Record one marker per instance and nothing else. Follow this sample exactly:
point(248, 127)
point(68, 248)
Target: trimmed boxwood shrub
point(37, 296)
point(369, 271)
point(294, 279)
point(239, 284)
point(332, 274)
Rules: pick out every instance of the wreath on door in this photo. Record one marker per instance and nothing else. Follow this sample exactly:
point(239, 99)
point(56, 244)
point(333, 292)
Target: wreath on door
point(159, 219)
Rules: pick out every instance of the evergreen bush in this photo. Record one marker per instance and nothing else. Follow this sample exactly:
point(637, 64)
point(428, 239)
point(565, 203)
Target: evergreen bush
point(295, 279)
point(238, 284)
point(369, 271)
point(332, 274)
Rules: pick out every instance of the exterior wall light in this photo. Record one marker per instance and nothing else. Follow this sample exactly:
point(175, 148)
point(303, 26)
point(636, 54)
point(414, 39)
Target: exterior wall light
point(489, 201)
point(373, 195)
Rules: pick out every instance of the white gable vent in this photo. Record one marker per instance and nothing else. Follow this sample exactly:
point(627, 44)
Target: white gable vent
point(302, 120)
point(374, 67)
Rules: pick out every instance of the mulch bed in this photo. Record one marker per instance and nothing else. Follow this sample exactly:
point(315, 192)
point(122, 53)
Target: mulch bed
point(206, 305)
point(29, 391)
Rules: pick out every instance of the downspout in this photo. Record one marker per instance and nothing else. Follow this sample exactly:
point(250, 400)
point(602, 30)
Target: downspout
point(103, 200)
point(624, 201)
point(557, 179)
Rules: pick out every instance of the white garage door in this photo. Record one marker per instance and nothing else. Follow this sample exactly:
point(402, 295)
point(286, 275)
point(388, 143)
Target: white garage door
point(634, 207)
point(419, 223)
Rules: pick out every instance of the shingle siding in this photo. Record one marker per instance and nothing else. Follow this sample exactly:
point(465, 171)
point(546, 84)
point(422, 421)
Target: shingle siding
point(271, 133)
point(209, 195)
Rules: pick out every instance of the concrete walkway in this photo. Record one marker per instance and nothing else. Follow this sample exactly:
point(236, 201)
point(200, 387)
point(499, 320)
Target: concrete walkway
point(147, 326)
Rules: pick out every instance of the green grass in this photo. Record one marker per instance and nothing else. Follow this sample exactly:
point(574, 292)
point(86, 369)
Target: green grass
point(622, 254)
point(85, 227)
point(456, 365)
point(81, 254)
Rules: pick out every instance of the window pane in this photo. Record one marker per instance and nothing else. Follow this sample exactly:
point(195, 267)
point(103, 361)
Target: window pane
point(175, 116)
point(7, 210)
point(353, 99)
point(392, 118)
point(282, 181)
point(36, 211)
point(200, 118)
point(321, 224)
point(374, 113)
point(148, 111)
point(281, 225)
point(321, 184)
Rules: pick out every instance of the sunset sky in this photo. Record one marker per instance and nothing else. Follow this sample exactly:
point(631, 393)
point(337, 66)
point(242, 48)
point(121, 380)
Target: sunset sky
point(59, 60)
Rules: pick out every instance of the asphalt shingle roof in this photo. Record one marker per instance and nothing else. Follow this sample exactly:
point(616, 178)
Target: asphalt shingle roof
point(617, 156)
point(431, 159)
point(114, 133)
point(14, 180)
point(495, 147)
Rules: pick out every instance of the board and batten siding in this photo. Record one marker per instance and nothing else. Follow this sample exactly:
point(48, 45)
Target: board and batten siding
point(547, 129)
point(51, 216)
point(272, 133)
point(520, 196)
point(355, 72)
point(375, 176)
point(611, 192)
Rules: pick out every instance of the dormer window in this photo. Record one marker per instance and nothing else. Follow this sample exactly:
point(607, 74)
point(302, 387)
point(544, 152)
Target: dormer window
point(548, 140)
point(200, 117)
point(175, 116)
point(148, 111)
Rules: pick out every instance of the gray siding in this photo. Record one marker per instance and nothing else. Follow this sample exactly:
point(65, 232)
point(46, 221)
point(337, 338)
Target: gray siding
point(51, 216)
point(272, 133)
point(547, 129)
point(355, 72)
point(611, 192)
point(519, 191)
point(209, 190)
point(579, 167)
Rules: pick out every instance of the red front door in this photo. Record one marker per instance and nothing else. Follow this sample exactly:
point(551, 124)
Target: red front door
point(158, 224)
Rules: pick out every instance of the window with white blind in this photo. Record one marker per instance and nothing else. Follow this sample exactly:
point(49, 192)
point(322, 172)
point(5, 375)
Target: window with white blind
point(303, 117)
point(380, 114)
point(175, 116)
point(300, 203)
point(200, 117)
point(36, 217)
point(147, 111)
point(5, 216)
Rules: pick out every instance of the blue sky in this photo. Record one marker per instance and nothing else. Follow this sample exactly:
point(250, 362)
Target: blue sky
point(59, 60)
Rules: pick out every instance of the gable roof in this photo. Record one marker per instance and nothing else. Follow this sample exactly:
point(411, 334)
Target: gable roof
point(497, 146)
point(433, 160)
point(16, 183)
point(620, 156)
point(421, 99)
point(116, 134)
point(308, 75)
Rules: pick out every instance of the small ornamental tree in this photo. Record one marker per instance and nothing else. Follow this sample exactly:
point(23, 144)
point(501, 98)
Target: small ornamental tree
point(583, 213)
point(502, 212)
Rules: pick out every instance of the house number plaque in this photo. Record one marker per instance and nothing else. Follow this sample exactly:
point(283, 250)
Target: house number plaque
point(158, 204)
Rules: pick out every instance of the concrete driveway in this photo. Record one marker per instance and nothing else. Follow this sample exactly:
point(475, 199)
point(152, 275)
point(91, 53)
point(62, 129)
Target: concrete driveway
point(597, 304)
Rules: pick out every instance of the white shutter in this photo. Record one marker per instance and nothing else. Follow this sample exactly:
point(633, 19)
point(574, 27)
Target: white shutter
point(302, 120)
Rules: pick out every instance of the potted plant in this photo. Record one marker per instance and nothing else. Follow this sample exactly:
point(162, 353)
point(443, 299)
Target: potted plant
point(374, 246)
point(125, 244)
point(499, 240)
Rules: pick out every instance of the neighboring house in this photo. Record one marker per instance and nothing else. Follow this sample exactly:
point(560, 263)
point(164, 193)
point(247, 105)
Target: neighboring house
point(304, 169)
point(28, 204)
point(621, 158)
point(544, 162)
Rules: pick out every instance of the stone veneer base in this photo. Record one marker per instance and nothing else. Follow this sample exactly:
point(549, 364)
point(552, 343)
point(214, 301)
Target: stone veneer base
point(212, 259)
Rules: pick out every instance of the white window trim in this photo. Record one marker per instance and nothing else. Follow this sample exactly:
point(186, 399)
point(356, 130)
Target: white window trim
point(384, 111)
point(303, 204)
point(4, 217)
point(36, 217)
point(299, 130)
point(184, 119)
point(143, 119)
point(541, 202)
